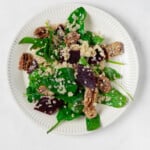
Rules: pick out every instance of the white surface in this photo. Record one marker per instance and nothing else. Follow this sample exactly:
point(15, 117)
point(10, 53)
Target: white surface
point(97, 20)
point(131, 131)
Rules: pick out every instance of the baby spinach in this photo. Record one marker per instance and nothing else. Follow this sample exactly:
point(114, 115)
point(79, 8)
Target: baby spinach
point(91, 38)
point(64, 114)
point(111, 73)
point(83, 61)
point(114, 98)
point(93, 124)
point(76, 20)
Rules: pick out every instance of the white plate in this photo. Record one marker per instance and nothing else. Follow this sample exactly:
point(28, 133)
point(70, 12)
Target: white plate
point(98, 21)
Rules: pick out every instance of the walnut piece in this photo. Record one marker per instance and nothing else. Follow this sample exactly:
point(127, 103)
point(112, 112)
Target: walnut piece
point(45, 91)
point(90, 98)
point(104, 84)
point(41, 32)
point(72, 38)
point(25, 61)
point(113, 49)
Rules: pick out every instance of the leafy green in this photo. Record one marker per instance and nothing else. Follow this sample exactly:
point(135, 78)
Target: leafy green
point(115, 62)
point(76, 20)
point(111, 73)
point(83, 61)
point(64, 114)
point(92, 38)
point(63, 81)
point(36, 42)
point(93, 124)
point(114, 98)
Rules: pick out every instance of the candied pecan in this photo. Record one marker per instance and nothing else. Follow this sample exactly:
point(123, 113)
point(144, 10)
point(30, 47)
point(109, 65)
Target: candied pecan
point(25, 61)
point(72, 38)
point(41, 32)
point(90, 98)
point(113, 49)
point(45, 91)
point(104, 84)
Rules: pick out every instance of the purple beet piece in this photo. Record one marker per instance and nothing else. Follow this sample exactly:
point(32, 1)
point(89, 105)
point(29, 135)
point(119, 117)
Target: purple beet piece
point(48, 106)
point(74, 56)
point(33, 66)
point(96, 59)
point(85, 77)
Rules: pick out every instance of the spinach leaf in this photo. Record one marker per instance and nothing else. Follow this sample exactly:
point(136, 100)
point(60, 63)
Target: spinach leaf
point(36, 42)
point(63, 82)
point(93, 124)
point(92, 38)
point(111, 73)
point(32, 94)
point(76, 20)
point(64, 114)
point(114, 98)
point(83, 61)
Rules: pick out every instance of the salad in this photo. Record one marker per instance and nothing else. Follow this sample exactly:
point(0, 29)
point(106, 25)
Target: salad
point(68, 71)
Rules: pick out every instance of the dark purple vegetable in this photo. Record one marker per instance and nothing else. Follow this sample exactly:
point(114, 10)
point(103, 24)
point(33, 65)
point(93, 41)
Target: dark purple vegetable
point(74, 56)
point(85, 77)
point(33, 66)
point(48, 106)
point(96, 59)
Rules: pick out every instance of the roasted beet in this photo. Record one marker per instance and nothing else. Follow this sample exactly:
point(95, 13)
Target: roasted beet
point(33, 66)
point(97, 58)
point(86, 77)
point(48, 106)
point(74, 56)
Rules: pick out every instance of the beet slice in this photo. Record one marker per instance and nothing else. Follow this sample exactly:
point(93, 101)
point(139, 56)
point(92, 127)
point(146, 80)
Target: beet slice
point(85, 77)
point(74, 56)
point(33, 66)
point(48, 106)
point(96, 59)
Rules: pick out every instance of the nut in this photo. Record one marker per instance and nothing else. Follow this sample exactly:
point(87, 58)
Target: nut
point(25, 61)
point(90, 97)
point(41, 32)
point(104, 84)
point(44, 90)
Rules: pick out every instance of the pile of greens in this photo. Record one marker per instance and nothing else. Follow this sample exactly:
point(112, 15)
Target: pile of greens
point(62, 82)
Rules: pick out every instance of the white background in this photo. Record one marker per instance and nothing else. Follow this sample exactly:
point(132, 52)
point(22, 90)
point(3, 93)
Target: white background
point(131, 131)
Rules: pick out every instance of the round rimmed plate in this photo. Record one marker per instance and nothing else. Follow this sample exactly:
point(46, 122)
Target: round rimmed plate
point(98, 21)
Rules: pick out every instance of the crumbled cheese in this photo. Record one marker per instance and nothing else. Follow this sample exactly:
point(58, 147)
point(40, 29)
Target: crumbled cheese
point(70, 94)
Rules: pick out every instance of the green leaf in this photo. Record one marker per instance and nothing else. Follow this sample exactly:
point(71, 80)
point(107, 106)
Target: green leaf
point(115, 62)
point(114, 98)
point(76, 20)
point(111, 73)
point(83, 61)
point(36, 42)
point(92, 38)
point(93, 124)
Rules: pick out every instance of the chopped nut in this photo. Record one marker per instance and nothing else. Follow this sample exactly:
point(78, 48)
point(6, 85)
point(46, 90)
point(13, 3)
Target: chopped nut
point(60, 30)
point(72, 38)
point(113, 49)
point(90, 98)
point(25, 61)
point(104, 84)
point(44, 90)
point(41, 32)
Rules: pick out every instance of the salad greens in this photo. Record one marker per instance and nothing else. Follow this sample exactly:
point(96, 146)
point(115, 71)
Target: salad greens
point(66, 74)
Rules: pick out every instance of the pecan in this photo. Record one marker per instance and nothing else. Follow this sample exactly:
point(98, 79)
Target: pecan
point(90, 98)
point(41, 32)
point(25, 61)
point(72, 38)
point(113, 49)
point(44, 90)
point(104, 84)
